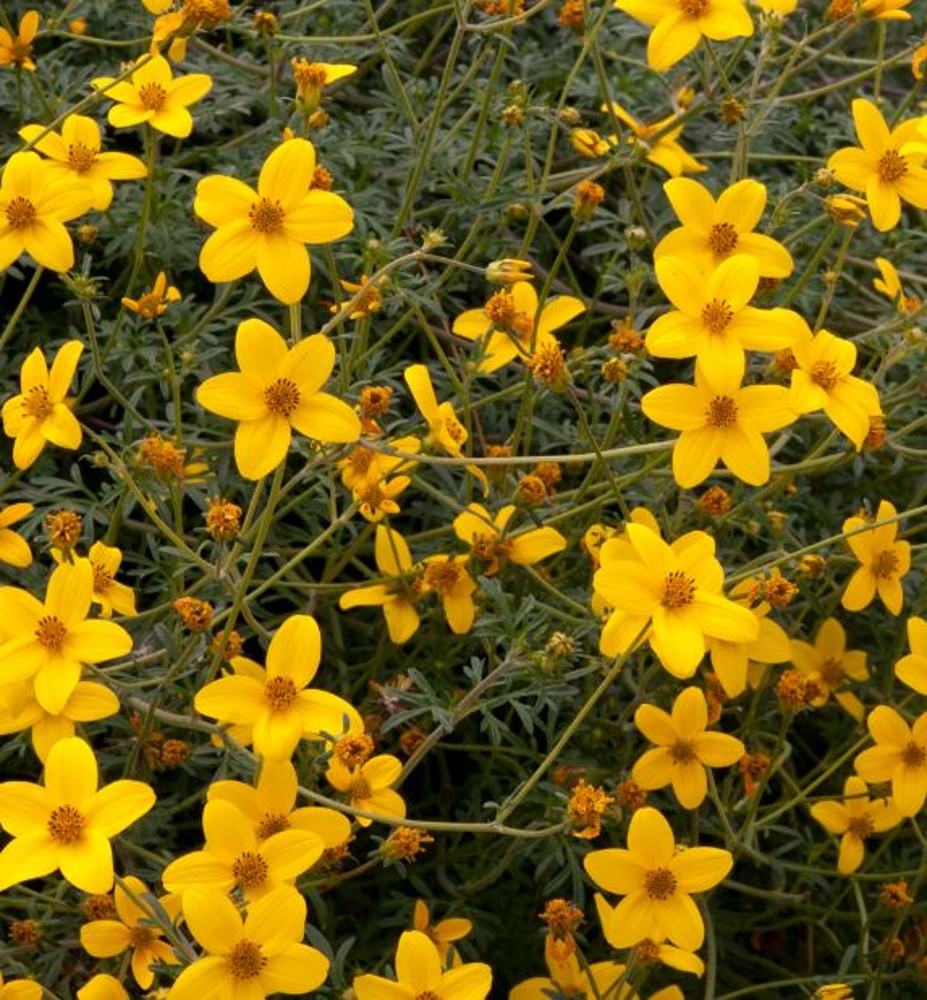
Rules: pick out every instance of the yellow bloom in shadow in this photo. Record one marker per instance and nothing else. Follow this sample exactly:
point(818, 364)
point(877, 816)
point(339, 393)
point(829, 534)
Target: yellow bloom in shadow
point(490, 544)
point(830, 665)
point(14, 550)
point(367, 785)
point(448, 578)
point(443, 933)
point(883, 562)
point(899, 756)
point(16, 50)
point(153, 304)
point(665, 152)
point(568, 979)
point(855, 820)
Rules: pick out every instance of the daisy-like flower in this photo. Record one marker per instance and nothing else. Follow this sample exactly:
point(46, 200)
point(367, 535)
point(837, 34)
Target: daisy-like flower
point(17, 50)
point(419, 971)
point(254, 957)
point(281, 708)
point(361, 462)
point(888, 165)
point(76, 153)
point(268, 229)
point(445, 431)
point(509, 326)
point(367, 785)
point(912, 669)
point(669, 593)
point(899, 756)
point(375, 495)
point(656, 880)
point(720, 421)
point(235, 857)
point(108, 592)
point(67, 823)
point(153, 304)
point(398, 598)
point(855, 820)
point(568, 979)
point(447, 576)
point(275, 392)
point(50, 641)
point(444, 933)
point(490, 544)
point(712, 231)
point(889, 284)
point(679, 25)
point(14, 550)
point(369, 301)
point(683, 748)
point(822, 381)
point(20, 989)
point(153, 95)
point(883, 562)
point(665, 152)
point(830, 665)
point(311, 78)
point(712, 320)
point(133, 931)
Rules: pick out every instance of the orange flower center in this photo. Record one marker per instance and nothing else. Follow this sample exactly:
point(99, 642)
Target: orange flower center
point(455, 430)
point(360, 787)
point(860, 826)
point(353, 751)
point(722, 239)
point(270, 824)
point(141, 937)
point(372, 496)
point(832, 673)
point(66, 824)
point(716, 315)
point(885, 565)
point(678, 590)
point(500, 310)
point(250, 870)
point(80, 157)
point(102, 578)
point(267, 216)
point(50, 632)
point(683, 752)
point(647, 951)
point(245, 960)
point(490, 549)
point(428, 995)
point(442, 577)
point(20, 212)
point(360, 459)
point(825, 374)
point(37, 403)
point(913, 755)
point(20, 51)
point(693, 8)
point(152, 96)
point(892, 166)
point(721, 412)
point(279, 693)
point(660, 884)
point(282, 396)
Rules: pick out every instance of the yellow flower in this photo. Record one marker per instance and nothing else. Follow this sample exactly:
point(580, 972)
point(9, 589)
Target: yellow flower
point(102, 987)
point(397, 598)
point(20, 989)
point(855, 820)
point(268, 229)
point(568, 979)
point(18, 51)
point(41, 412)
point(490, 544)
point(712, 231)
point(679, 25)
point(683, 748)
point(51, 641)
point(588, 142)
point(656, 880)
point(311, 78)
point(133, 930)
point(720, 421)
point(369, 298)
point(670, 594)
point(912, 669)
point(918, 58)
point(367, 785)
point(822, 380)
point(108, 592)
point(509, 325)
point(780, 7)
point(846, 209)
point(712, 320)
point(14, 551)
point(833, 991)
point(361, 462)
point(280, 705)
point(885, 10)
point(153, 304)
point(444, 429)
point(888, 166)
point(829, 664)
point(883, 562)
point(376, 497)
point(275, 391)
point(443, 934)
point(899, 756)
point(75, 153)
point(890, 286)
point(418, 968)
point(665, 151)
point(509, 270)
point(254, 957)
point(449, 579)
point(67, 823)
point(153, 95)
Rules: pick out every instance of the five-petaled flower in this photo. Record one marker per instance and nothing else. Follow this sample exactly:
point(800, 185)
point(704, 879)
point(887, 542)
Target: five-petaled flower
point(899, 756)
point(830, 664)
point(16, 50)
point(855, 820)
point(883, 562)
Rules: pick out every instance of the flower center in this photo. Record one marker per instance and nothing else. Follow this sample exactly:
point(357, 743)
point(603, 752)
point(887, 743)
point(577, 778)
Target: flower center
point(660, 883)
point(250, 870)
point(270, 824)
point(66, 824)
point(885, 565)
point(455, 430)
point(20, 212)
point(825, 374)
point(428, 995)
point(721, 412)
point(360, 787)
point(279, 693)
point(892, 166)
point(267, 216)
point(50, 632)
point(140, 937)
point(20, 51)
point(860, 826)
point(647, 951)
point(831, 672)
point(37, 403)
point(722, 239)
point(716, 315)
point(282, 396)
point(353, 751)
point(102, 578)
point(678, 590)
point(442, 577)
point(490, 549)
point(81, 157)
point(683, 752)
point(152, 96)
point(913, 755)
point(500, 310)
point(245, 960)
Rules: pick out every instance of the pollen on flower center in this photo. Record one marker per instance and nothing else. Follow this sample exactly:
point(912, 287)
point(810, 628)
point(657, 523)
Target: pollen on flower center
point(500, 310)
point(442, 577)
point(245, 960)
point(683, 752)
point(250, 870)
point(722, 239)
point(721, 412)
point(860, 826)
point(825, 374)
point(428, 995)
point(913, 755)
point(37, 403)
point(885, 565)
point(660, 883)
point(832, 673)
point(152, 96)
point(66, 824)
point(267, 216)
point(694, 8)
point(360, 787)
point(282, 396)
point(50, 632)
point(270, 824)
point(102, 578)
point(678, 590)
point(455, 430)
point(81, 157)
point(140, 936)
point(716, 315)
point(490, 549)
point(20, 212)
point(279, 693)
point(892, 166)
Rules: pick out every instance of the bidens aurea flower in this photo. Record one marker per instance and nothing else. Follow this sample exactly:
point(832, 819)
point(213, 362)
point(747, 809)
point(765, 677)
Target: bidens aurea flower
point(912, 669)
point(663, 151)
point(883, 562)
point(14, 550)
point(493, 547)
point(899, 756)
point(16, 50)
point(855, 820)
